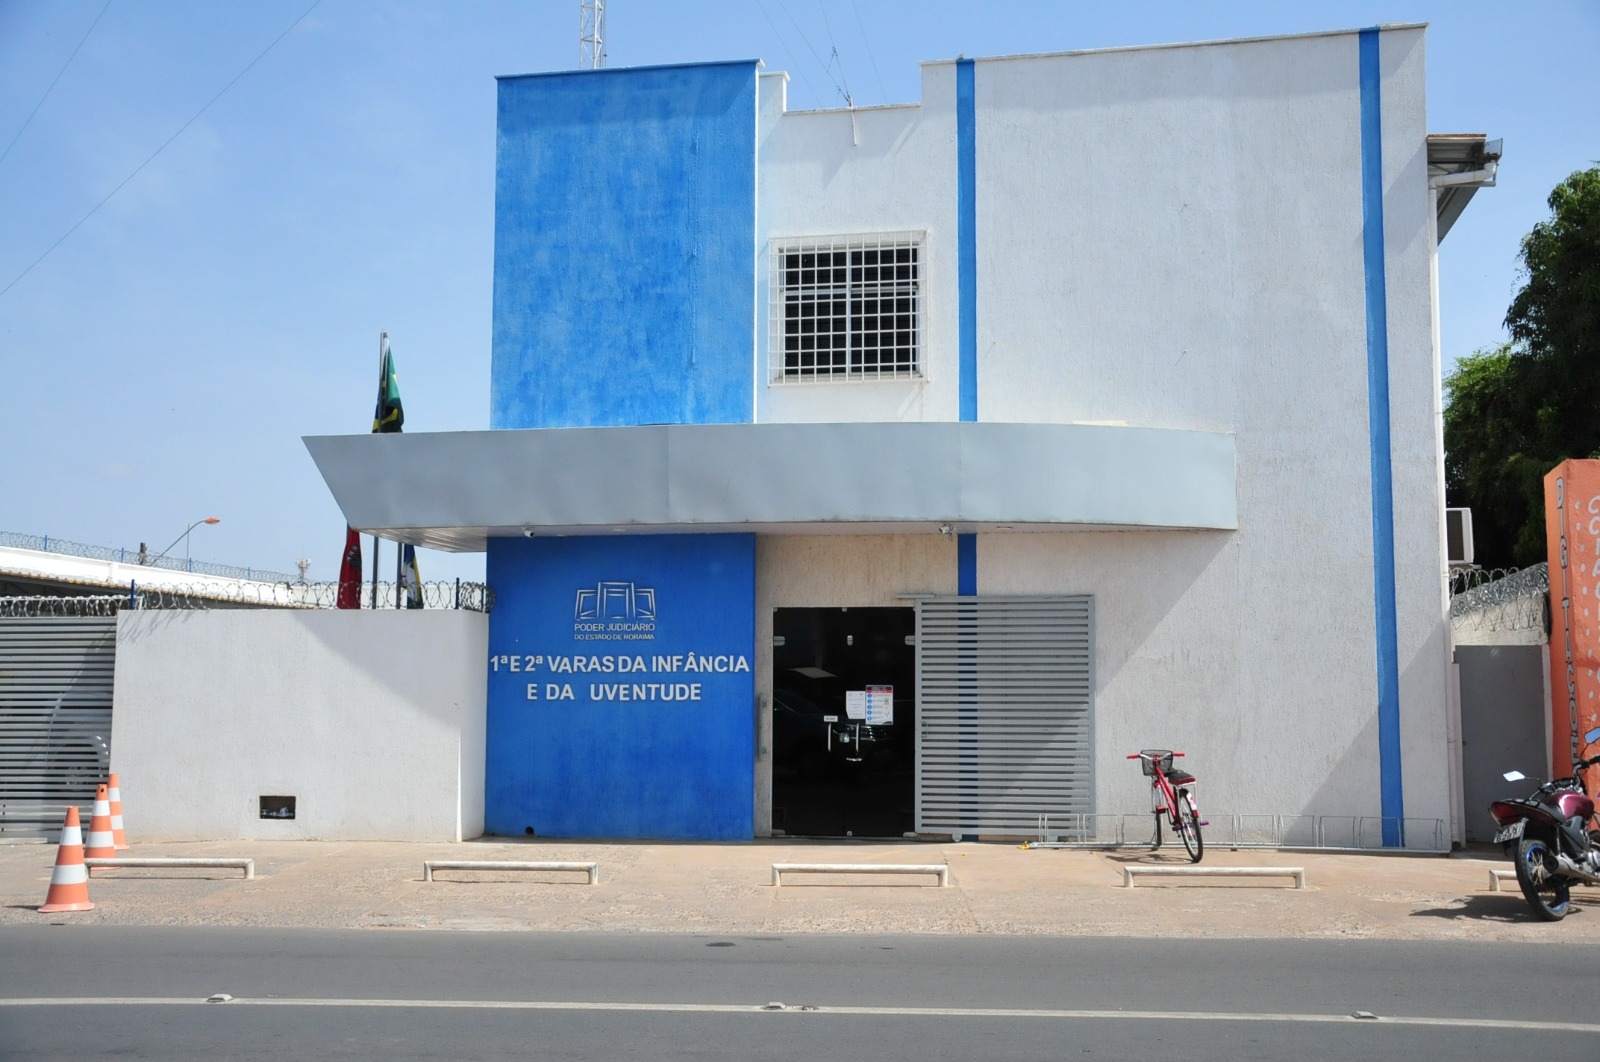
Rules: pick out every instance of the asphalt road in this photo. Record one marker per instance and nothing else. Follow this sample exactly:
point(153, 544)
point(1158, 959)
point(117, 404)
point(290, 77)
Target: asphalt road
point(86, 992)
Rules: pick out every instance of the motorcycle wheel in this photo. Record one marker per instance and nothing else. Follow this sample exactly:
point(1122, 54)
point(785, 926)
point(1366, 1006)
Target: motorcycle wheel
point(1189, 827)
point(1546, 892)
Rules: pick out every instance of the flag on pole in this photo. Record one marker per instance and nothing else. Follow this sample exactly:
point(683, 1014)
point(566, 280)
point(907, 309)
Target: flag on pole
point(410, 576)
point(389, 416)
point(350, 571)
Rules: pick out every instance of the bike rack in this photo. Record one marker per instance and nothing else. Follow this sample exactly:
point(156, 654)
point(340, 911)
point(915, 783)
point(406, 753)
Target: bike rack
point(1330, 833)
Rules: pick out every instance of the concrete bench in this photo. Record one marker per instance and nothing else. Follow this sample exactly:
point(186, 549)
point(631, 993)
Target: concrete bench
point(1298, 873)
point(246, 865)
point(939, 869)
point(1497, 876)
point(429, 866)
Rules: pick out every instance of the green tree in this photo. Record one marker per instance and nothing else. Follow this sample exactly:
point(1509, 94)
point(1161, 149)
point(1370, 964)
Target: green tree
point(1515, 412)
point(1492, 463)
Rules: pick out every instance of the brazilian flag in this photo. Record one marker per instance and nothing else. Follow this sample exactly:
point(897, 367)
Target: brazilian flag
point(389, 416)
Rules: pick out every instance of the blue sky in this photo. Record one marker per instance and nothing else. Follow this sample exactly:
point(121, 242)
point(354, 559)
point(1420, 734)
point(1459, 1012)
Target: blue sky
point(162, 362)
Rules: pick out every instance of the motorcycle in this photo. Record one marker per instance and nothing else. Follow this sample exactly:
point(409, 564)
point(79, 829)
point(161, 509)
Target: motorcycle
point(1548, 837)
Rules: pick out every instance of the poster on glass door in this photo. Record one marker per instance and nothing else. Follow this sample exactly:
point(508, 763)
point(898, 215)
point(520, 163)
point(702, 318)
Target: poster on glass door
point(880, 705)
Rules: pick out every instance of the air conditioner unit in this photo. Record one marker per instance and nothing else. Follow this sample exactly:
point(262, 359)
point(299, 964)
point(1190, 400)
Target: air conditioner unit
point(1458, 536)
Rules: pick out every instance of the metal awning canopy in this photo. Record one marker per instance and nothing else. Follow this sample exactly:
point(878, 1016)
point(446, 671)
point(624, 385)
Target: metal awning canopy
point(1456, 156)
point(454, 491)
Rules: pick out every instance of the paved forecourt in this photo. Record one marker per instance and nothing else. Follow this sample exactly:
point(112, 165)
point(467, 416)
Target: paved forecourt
point(993, 888)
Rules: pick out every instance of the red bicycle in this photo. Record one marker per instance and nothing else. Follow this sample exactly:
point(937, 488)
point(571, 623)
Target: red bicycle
point(1172, 794)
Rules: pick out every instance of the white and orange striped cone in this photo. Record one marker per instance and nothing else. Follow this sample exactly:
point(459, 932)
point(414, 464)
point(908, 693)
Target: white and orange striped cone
point(119, 840)
point(98, 844)
point(69, 882)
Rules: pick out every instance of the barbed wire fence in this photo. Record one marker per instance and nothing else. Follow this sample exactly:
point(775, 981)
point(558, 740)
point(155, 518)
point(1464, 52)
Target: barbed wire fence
point(46, 544)
point(1481, 599)
point(87, 605)
point(1500, 599)
point(472, 597)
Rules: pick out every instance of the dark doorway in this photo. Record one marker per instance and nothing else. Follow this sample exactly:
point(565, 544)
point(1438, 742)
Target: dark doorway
point(837, 769)
point(1503, 720)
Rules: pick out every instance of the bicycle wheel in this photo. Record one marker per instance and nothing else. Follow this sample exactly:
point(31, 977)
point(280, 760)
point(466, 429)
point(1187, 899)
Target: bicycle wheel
point(1189, 827)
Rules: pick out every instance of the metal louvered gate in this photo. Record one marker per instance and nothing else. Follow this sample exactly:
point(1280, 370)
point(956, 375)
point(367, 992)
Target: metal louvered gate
point(55, 717)
point(1005, 712)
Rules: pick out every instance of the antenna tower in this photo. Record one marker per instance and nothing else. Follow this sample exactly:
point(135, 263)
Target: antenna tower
point(592, 34)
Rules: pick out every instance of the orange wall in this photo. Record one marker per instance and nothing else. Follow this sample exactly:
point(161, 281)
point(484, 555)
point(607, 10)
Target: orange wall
point(1572, 523)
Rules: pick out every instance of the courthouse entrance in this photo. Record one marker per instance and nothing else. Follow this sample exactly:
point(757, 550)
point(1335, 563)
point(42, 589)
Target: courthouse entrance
point(843, 722)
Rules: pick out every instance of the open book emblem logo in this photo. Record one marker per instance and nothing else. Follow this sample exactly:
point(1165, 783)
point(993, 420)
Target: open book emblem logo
point(615, 601)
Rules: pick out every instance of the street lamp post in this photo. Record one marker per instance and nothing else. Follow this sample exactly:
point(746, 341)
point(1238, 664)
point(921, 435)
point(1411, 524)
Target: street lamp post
point(184, 538)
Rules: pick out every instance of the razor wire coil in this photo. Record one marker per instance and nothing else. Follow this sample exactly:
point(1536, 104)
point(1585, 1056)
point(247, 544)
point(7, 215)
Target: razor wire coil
point(471, 597)
point(1500, 599)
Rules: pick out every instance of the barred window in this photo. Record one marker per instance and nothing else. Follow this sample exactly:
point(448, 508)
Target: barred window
point(846, 307)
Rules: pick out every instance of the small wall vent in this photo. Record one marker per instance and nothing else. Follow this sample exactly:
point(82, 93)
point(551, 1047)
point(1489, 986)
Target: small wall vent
point(1458, 536)
point(277, 807)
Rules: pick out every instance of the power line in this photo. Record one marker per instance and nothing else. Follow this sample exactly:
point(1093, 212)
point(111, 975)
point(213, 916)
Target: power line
point(793, 61)
point(95, 209)
point(870, 57)
point(834, 46)
point(814, 54)
point(52, 87)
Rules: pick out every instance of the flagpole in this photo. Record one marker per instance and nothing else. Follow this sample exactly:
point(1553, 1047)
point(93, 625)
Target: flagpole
point(383, 341)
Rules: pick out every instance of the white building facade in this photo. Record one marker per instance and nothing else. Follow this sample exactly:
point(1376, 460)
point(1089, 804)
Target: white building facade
point(1088, 405)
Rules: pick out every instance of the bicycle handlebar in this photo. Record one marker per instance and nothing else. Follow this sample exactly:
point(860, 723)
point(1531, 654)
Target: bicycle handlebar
point(1148, 756)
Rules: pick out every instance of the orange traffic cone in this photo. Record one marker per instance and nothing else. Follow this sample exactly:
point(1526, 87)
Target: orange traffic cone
point(119, 841)
point(99, 845)
point(69, 882)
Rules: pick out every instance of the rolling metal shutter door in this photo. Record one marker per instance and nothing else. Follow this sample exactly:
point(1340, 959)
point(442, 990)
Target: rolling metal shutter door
point(1005, 712)
point(55, 717)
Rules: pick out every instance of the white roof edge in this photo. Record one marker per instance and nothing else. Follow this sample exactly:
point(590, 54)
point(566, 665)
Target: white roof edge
point(1182, 44)
point(857, 110)
point(715, 477)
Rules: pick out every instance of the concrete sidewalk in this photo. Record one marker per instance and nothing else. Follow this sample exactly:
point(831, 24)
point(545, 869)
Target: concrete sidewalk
point(726, 889)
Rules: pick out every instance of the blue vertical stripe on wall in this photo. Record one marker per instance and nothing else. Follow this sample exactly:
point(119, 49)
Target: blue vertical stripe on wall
point(967, 238)
point(624, 261)
point(966, 565)
point(967, 394)
point(1391, 787)
point(967, 287)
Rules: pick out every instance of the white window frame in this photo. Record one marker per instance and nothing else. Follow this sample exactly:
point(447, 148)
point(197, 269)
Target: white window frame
point(855, 357)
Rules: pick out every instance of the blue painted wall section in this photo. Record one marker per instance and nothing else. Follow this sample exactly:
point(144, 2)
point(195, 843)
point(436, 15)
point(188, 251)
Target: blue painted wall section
point(967, 238)
point(1391, 787)
point(967, 393)
point(967, 287)
point(624, 262)
point(621, 696)
point(966, 565)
